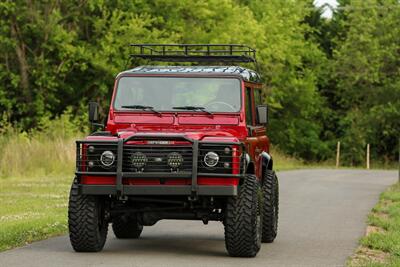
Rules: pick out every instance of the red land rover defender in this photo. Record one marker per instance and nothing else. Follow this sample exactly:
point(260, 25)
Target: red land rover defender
point(179, 142)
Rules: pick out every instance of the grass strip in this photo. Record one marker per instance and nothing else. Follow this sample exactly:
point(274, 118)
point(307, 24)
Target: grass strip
point(380, 247)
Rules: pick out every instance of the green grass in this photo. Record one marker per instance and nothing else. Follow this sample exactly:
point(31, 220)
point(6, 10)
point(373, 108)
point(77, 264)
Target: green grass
point(36, 154)
point(35, 177)
point(32, 208)
point(36, 171)
point(283, 162)
point(381, 247)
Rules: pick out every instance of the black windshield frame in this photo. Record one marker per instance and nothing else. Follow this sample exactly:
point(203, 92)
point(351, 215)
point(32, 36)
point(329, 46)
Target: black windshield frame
point(171, 110)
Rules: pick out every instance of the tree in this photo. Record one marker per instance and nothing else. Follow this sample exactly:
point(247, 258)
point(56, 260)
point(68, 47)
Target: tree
point(326, 79)
point(291, 65)
point(366, 67)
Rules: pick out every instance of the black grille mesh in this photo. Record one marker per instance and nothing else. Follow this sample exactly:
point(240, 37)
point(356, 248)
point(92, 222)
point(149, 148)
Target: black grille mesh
point(157, 158)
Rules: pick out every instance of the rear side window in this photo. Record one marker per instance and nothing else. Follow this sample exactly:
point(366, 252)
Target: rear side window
point(258, 97)
point(249, 107)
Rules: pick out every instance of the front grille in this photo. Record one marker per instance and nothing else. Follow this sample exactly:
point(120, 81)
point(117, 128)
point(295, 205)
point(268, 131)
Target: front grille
point(156, 158)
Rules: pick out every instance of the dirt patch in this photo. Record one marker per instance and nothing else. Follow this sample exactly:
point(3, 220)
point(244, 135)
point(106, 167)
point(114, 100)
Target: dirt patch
point(386, 202)
point(373, 229)
point(382, 215)
point(364, 255)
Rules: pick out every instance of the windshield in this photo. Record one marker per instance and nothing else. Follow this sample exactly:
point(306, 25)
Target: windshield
point(178, 94)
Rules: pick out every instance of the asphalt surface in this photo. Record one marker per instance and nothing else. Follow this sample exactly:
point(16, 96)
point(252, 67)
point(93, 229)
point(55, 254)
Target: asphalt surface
point(322, 216)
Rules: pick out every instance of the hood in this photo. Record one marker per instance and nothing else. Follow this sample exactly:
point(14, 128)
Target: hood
point(227, 135)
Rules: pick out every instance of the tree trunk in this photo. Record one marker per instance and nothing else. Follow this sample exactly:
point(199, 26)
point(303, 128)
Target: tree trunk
point(23, 64)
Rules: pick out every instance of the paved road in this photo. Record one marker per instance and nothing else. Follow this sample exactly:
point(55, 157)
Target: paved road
point(323, 214)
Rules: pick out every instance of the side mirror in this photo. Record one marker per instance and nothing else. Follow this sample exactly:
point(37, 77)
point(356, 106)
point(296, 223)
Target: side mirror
point(262, 114)
point(93, 112)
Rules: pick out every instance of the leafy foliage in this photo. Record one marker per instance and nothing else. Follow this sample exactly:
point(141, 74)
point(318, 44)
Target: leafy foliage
point(366, 68)
point(326, 79)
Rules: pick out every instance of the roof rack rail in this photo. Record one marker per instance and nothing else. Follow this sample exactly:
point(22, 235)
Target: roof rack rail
point(194, 52)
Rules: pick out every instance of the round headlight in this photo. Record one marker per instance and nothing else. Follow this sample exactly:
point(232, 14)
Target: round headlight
point(211, 159)
point(174, 160)
point(138, 160)
point(107, 158)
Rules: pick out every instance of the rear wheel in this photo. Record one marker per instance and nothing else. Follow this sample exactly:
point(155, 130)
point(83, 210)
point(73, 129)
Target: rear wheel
point(126, 227)
point(243, 220)
point(86, 221)
point(270, 190)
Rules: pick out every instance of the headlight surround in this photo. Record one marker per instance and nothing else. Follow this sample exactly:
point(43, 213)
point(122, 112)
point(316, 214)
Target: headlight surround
point(107, 158)
point(211, 159)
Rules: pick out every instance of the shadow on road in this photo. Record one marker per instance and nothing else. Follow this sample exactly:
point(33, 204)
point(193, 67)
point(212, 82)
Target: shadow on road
point(171, 244)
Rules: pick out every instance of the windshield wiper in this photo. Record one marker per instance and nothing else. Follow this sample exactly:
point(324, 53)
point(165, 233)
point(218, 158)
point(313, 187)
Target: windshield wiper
point(194, 108)
point(142, 108)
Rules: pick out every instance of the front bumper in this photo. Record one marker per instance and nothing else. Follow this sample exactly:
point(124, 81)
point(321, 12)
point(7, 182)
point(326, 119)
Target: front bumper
point(165, 190)
point(193, 189)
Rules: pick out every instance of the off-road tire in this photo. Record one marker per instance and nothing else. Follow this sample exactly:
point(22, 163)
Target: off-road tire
point(243, 220)
point(86, 221)
point(270, 212)
point(126, 227)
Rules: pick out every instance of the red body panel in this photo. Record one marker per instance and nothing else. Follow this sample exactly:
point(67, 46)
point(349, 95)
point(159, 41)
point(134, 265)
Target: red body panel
point(110, 180)
point(221, 127)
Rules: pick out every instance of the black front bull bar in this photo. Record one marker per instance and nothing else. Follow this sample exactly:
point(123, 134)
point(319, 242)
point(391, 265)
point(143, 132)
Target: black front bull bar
point(194, 189)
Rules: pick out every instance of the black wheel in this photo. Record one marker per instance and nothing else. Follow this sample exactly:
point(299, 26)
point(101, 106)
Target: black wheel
point(243, 220)
point(126, 227)
point(86, 221)
point(270, 212)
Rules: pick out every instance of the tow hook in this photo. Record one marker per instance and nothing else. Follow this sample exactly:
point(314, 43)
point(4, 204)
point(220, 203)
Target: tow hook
point(192, 198)
point(123, 198)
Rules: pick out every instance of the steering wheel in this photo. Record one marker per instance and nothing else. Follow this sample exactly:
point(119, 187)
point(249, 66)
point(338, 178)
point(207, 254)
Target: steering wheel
point(220, 104)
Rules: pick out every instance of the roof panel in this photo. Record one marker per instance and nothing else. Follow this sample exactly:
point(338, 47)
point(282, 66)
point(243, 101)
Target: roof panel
point(247, 74)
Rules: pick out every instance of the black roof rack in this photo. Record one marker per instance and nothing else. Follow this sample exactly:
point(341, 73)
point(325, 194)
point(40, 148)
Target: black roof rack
point(194, 52)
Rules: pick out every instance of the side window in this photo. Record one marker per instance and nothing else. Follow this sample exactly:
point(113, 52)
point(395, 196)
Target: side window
point(257, 97)
point(249, 107)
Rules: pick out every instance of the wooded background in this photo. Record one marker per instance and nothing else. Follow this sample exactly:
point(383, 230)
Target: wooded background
point(327, 79)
